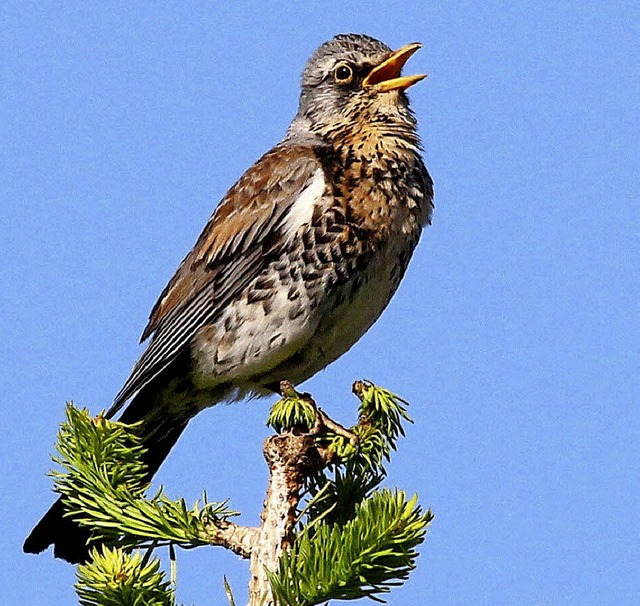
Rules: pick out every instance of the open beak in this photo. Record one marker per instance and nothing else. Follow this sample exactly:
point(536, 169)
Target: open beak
point(386, 76)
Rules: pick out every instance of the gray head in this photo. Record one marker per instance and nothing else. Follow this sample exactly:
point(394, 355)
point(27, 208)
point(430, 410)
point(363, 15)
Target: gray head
point(352, 81)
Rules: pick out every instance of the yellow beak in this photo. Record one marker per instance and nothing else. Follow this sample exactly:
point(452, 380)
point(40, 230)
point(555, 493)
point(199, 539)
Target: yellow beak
point(386, 76)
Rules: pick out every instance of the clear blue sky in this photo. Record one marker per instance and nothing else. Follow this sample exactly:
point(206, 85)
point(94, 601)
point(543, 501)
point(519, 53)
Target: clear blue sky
point(514, 334)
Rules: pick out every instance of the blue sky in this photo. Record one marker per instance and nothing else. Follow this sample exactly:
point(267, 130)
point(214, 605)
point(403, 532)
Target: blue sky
point(514, 334)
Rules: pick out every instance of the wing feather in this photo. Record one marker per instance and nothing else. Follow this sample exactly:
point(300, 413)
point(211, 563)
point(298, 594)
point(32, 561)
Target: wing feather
point(230, 253)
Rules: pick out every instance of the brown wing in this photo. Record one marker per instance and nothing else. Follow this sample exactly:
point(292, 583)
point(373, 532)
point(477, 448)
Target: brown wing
point(229, 254)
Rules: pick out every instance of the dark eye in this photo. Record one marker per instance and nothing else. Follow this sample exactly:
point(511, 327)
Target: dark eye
point(343, 73)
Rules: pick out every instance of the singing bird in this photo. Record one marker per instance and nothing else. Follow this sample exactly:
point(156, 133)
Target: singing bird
point(299, 259)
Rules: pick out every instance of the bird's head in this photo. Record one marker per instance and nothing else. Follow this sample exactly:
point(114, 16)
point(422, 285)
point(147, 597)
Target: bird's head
point(353, 83)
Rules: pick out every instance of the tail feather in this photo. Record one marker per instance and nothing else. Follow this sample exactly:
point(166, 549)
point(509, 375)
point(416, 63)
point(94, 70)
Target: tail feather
point(69, 540)
point(161, 430)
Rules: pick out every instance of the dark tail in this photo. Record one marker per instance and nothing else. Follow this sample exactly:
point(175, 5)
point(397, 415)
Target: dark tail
point(161, 431)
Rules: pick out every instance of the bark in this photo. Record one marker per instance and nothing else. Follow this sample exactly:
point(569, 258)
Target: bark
point(287, 457)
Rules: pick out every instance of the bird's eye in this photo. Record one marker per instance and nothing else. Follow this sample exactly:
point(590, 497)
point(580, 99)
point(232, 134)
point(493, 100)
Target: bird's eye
point(343, 73)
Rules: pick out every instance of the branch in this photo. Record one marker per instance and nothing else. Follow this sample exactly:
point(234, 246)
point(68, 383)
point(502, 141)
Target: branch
point(234, 537)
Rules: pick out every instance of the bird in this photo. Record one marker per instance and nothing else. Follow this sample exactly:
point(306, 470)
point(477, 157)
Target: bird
point(296, 263)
